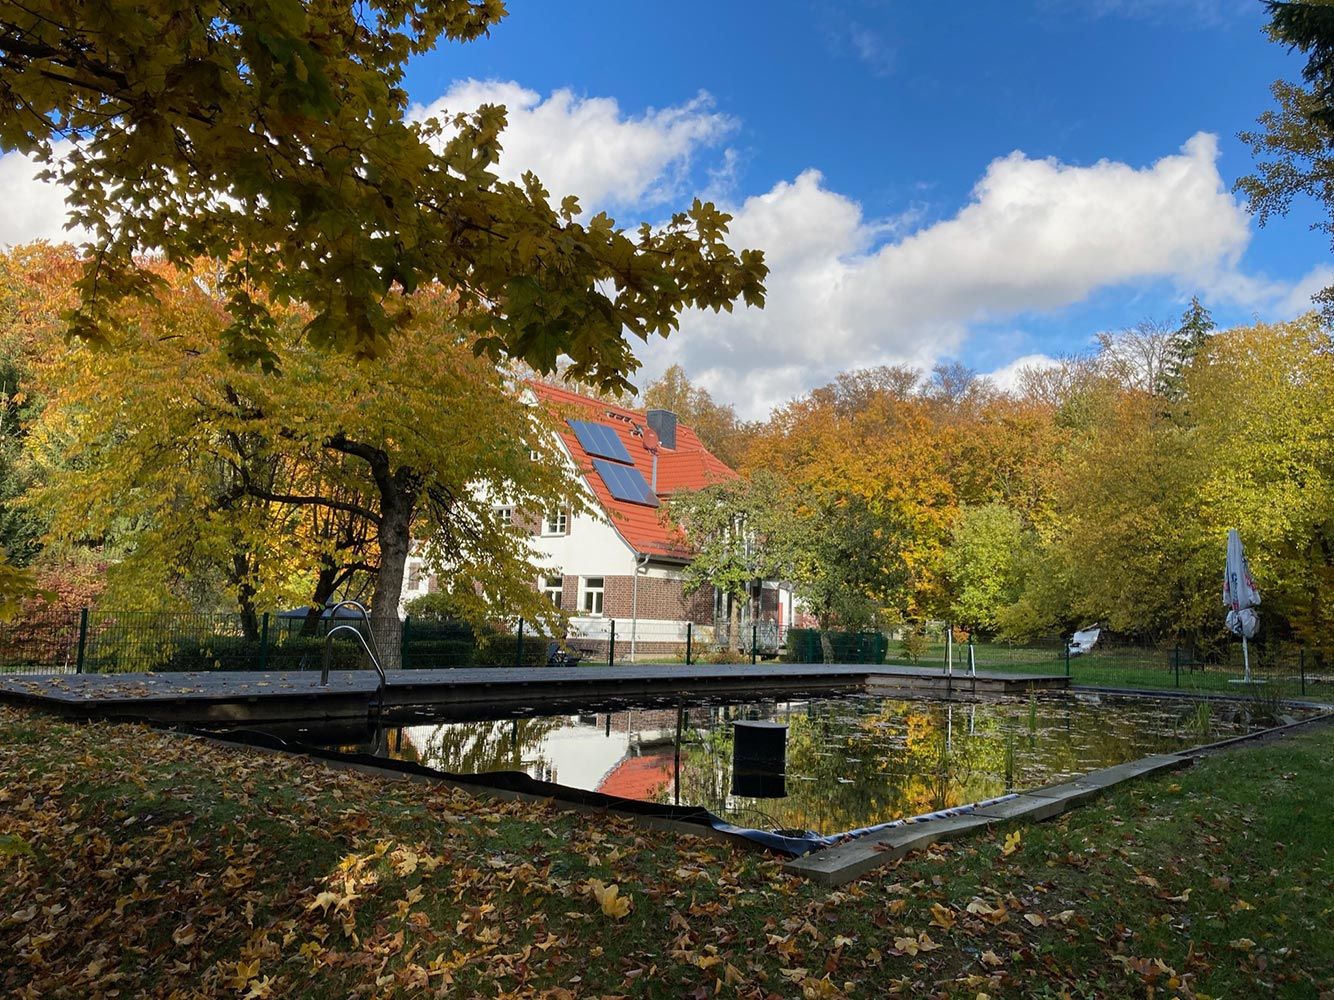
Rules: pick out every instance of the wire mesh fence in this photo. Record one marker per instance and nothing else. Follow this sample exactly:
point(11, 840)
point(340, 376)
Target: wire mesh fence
point(97, 641)
point(1292, 668)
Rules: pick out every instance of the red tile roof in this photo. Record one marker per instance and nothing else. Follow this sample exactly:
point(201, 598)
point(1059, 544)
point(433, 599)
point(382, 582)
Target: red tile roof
point(688, 466)
point(639, 777)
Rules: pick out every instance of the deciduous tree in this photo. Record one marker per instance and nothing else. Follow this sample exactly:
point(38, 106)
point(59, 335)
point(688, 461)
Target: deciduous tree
point(277, 137)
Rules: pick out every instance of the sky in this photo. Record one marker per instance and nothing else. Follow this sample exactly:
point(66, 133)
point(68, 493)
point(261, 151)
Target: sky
point(992, 184)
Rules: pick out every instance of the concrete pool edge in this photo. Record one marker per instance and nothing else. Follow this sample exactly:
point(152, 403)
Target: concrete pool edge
point(842, 863)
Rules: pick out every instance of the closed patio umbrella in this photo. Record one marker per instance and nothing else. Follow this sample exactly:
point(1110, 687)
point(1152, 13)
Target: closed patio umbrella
point(1240, 598)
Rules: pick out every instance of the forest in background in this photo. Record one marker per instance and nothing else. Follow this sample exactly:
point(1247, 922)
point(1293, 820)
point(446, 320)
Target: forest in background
point(1097, 490)
point(1100, 489)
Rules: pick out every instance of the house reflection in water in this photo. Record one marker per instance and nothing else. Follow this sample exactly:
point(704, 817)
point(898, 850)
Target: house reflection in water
point(851, 762)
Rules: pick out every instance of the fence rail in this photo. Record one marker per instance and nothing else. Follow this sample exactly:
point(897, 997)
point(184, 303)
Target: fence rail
point(93, 640)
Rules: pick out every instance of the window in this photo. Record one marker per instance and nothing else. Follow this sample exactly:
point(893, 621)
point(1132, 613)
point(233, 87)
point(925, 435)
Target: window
point(414, 575)
point(554, 588)
point(504, 516)
point(555, 522)
point(592, 597)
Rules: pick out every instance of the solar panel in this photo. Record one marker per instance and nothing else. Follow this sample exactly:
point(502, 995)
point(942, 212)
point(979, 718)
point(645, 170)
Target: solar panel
point(625, 482)
point(599, 439)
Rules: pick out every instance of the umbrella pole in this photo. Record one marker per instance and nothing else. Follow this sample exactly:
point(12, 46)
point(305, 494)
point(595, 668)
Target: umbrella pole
point(1246, 659)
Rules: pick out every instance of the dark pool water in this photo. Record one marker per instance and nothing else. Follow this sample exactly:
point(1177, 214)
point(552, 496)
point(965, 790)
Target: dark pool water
point(851, 761)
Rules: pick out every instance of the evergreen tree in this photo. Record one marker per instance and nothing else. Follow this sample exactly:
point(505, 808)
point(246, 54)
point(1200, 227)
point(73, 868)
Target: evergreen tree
point(1185, 343)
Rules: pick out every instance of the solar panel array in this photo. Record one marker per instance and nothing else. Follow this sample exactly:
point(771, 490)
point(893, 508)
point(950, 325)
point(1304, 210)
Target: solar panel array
point(625, 482)
point(599, 439)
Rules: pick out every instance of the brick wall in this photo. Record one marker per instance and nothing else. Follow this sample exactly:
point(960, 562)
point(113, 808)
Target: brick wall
point(658, 599)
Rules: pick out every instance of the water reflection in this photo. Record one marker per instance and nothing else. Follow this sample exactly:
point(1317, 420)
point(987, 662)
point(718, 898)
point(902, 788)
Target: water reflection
point(851, 761)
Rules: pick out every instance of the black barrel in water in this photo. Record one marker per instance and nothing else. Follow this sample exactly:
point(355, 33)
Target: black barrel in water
point(759, 759)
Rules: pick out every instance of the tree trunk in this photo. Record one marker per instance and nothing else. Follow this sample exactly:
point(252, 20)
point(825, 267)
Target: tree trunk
point(245, 596)
point(734, 622)
point(396, 509)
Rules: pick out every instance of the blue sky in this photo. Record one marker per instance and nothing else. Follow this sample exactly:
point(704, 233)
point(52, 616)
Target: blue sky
point(993, 183)
point(901, 107)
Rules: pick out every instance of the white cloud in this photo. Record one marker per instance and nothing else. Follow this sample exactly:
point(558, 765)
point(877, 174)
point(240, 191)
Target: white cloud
point(1036, 235)
point(1297, 300)
point(582, 146)
point(1006, 378)
point(587, 147)
point(33, 209)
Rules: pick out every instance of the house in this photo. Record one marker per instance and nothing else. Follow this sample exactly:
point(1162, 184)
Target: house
point(624, 561)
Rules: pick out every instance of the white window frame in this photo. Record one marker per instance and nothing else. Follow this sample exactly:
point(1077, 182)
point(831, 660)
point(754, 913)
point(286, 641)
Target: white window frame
point(554, 588)
point(555, 522)
point(591, 598)
point(504, 515)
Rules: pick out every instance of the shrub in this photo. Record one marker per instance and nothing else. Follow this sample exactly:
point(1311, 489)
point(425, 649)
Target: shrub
point(914, 645)
point(501, 650)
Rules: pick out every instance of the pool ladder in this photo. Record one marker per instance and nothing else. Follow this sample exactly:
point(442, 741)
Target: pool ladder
point(372, 648)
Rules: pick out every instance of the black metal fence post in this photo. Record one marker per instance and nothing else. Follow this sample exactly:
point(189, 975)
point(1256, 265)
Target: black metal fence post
point(611, 646)
point(754, 636)
point(518, 646)
point(264, 642)
point(688, 638)
point(1176, 664)
point(83, 640)
point(1067, 657)
point(403, 640)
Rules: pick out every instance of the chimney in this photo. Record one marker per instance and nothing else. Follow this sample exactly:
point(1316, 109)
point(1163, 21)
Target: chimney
point(663, 423)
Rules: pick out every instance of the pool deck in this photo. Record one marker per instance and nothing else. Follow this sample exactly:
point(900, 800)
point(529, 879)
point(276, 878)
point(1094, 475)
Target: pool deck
point(466, 693)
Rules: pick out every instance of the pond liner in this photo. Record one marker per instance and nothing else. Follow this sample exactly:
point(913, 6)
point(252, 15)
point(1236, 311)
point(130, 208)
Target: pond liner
point(517, 781)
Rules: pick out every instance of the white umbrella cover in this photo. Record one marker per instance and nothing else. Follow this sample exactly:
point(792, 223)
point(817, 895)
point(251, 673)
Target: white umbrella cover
point(1240, 596)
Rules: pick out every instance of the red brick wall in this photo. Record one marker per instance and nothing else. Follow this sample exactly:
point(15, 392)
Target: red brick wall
point(658, 598)
point(661, 599)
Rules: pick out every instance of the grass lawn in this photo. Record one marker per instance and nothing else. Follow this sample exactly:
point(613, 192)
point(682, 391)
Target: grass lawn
point(137, 861)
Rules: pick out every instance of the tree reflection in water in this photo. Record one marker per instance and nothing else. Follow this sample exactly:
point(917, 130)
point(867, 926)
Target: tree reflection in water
point(851, 762)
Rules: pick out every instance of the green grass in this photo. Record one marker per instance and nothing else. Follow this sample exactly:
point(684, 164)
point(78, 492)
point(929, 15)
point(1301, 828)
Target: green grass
point(145, 862)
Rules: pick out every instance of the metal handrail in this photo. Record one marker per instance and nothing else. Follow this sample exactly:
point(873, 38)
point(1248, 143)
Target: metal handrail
point(372, 648)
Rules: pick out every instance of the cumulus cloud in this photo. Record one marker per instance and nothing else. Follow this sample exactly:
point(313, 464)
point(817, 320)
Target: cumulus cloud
point(1006, 378)
point(587, 146)
point(1297, 299)
point(34, 209)
point(1036, 235)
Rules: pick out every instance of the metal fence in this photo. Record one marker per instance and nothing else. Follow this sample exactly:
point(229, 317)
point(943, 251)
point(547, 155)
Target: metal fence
point(1290, 667)
point(98, 641)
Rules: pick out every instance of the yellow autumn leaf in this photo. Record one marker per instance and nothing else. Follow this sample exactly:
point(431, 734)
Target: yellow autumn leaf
point(324, 900)
point(245, 971)
point(942, 916)
point(906, 945)
point(610, 899)
point(1011, 843)
point(1036, 919)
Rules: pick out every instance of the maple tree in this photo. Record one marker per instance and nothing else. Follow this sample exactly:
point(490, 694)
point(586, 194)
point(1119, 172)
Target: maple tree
point(263, 476)
point(277, 137)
